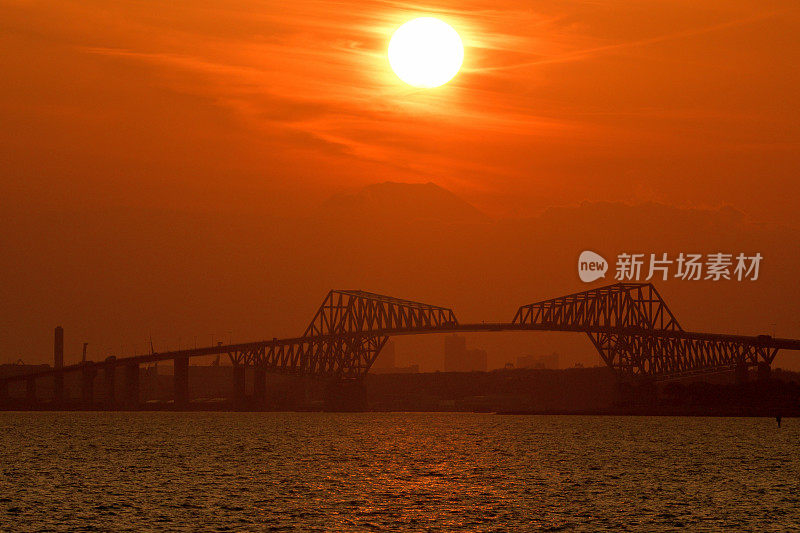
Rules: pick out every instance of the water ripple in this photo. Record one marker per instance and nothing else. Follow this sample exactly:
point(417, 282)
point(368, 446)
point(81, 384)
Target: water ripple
point(400, 472)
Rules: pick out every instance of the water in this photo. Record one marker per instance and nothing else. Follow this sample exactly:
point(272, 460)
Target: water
point(409, 472)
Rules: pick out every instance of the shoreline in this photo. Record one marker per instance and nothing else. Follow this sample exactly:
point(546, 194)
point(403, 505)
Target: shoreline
point(760, 412)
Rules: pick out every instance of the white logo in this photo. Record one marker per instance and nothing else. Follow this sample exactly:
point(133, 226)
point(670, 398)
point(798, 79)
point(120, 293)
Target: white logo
point(717, 266)
point(591, 266)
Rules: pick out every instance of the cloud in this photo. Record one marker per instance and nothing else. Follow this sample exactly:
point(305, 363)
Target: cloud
point(556, 102)
point(589, 53)
point(327, 76)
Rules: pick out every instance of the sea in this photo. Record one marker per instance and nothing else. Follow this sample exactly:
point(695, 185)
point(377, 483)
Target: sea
point(233, 471)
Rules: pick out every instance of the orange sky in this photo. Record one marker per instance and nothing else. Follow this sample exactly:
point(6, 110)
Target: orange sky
point(275, 105)
point(148, 149)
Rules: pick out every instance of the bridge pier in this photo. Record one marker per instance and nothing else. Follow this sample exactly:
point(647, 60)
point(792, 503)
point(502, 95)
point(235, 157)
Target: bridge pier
point(259, 386)
point(58, 362)
point(742, 373)
point(635, 392)
point(109, 376)
point(131, 399)
point(30, 390)
point(345, 396)
point(239, 381)
point(58, 388)
point(763, 371)
point(180, 373)
point(88, 374)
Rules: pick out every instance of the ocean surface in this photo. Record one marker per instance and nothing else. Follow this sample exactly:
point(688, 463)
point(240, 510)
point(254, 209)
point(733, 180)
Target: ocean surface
point(159, 471)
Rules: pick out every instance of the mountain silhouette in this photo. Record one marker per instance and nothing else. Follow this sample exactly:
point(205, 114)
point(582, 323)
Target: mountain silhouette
point(403, 201)
point(260, 275)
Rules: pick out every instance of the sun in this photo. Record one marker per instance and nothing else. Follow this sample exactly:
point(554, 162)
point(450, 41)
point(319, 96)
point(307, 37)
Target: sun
point(426, 52)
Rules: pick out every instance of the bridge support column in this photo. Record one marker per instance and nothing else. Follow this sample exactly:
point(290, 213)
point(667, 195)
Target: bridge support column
point(58, 388)
point(30, 391)
point(181, 380)
point(763, 371)
point(646, 392)
point(109, 376)
point(259, 386)
point(58, 362)
point(742, 372)
point(349, 396)
point(131, 385)
point(87, 385)
point(239, 377)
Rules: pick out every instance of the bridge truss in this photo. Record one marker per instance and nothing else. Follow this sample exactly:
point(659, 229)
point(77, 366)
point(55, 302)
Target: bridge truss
point(636, 334)
point(630, 325)
point(346, 335)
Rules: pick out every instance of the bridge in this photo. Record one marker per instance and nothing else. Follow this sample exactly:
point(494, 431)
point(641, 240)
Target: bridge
point(630, 325)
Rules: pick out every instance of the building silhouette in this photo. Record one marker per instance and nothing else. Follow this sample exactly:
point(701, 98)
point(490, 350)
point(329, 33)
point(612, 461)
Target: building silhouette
point(549, 361)
point(386, 363)
point(457, 358)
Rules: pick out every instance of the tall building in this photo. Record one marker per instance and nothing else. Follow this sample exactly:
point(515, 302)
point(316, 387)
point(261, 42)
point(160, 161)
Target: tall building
point(386, 363)
point(457, 358)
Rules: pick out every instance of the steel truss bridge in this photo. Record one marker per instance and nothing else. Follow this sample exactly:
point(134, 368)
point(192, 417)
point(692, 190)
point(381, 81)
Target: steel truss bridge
point(630, 325)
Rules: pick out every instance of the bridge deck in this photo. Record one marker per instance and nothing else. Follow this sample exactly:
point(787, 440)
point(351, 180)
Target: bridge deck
point(761, 341)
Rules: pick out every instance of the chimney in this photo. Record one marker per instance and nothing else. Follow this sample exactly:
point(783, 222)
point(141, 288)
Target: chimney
point(58, 348)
